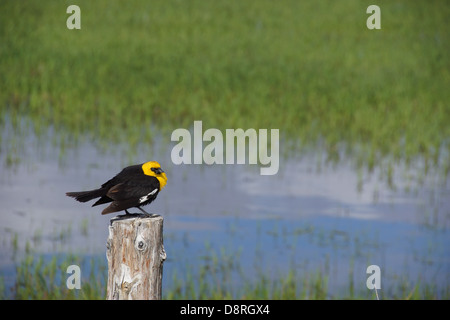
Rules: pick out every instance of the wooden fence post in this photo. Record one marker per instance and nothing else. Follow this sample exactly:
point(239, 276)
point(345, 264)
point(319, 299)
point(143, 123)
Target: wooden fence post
point(135, 254)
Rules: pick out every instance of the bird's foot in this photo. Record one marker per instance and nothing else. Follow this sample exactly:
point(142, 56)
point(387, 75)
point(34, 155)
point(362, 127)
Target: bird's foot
point(149, 215)
point(128, 214)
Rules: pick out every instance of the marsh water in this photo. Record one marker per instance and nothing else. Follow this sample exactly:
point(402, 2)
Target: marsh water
point(311, 216)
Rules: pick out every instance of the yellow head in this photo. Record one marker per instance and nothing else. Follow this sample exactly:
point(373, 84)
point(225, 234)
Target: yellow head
point(153, 169)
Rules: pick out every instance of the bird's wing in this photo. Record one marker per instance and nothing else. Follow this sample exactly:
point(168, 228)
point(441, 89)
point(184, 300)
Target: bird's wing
point(133, 190)
point(119, 206)
point(123, 175)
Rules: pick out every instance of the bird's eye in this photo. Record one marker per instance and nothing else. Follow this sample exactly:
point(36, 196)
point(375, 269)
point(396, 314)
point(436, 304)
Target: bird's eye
point(157, 170)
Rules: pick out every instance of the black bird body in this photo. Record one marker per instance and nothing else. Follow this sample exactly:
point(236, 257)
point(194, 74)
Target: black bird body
point(134, 186)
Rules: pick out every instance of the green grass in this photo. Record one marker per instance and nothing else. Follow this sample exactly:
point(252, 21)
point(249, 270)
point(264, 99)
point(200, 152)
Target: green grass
point(44, 277)
point(212, 272)
point(40, 277)
point(310, 68)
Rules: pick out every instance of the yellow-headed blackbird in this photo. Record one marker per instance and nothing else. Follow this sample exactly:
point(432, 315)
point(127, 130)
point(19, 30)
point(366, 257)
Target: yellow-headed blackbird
point(134, 186)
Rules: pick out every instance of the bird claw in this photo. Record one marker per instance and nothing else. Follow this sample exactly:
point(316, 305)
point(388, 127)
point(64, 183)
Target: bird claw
point(131, 215)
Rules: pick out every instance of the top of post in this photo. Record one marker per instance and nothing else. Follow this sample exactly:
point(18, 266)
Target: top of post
point(131, 216)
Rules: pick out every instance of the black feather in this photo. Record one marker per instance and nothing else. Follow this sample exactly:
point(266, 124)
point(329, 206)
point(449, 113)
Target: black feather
point(84, 196)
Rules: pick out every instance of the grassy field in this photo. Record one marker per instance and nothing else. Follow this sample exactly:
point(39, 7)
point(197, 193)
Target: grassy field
point(310, 68)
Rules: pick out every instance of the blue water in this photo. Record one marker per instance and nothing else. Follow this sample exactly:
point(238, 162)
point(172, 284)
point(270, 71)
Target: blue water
point(338, 247)
point(302, 218)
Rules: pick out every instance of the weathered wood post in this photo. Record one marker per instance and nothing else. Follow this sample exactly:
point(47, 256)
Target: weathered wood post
point(135, 254)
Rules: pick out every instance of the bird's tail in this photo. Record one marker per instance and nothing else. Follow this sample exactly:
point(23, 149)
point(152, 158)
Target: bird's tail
point(84, 196)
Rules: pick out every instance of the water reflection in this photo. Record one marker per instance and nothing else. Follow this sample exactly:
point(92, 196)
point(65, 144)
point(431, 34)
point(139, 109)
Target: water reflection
point(299, 218)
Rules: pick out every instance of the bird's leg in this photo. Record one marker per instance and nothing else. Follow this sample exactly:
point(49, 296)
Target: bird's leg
point(148, 214)
point(143, 211)
point(127, 213)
